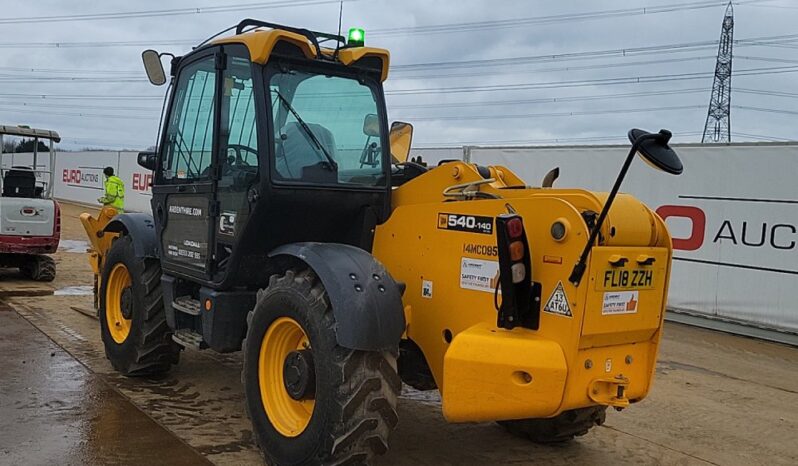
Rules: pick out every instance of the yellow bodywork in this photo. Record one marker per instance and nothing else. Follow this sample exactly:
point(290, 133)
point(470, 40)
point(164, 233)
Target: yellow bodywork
point(488, 373)
point(261, 43)
point(99, 242)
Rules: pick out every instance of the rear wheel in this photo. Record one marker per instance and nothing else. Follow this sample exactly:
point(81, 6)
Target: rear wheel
point(39, 268)
point(562, 428)
point(310, 400)
point(132, 318)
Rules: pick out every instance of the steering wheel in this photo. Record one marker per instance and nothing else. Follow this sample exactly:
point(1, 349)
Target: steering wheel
point(239, 148)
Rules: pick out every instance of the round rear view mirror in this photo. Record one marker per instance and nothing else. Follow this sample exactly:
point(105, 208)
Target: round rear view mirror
point(656, 151)
point(153, 67)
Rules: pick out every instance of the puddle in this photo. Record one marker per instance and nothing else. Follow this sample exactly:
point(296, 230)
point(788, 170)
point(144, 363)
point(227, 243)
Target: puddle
point(78, 290)
point(73, 245)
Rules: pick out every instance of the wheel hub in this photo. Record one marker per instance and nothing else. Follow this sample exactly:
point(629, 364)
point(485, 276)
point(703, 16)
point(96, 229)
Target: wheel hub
point(299, 375)
point(126, 303)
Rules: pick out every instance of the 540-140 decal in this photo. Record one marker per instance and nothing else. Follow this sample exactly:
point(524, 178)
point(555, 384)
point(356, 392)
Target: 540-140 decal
point(468, 223)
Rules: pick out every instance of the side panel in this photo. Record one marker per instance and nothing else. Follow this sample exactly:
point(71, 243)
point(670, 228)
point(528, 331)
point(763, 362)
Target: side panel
point(184, 238)
point(26, 217)
point(366, 301)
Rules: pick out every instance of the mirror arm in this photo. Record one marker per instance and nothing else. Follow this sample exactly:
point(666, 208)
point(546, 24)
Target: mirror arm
point(579, 269)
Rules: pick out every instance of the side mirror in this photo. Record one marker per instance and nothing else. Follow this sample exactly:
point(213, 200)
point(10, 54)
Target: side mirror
point(371, 125)
point(147, 160)
point(153, 67)
point(401, 138)
point(656, 151)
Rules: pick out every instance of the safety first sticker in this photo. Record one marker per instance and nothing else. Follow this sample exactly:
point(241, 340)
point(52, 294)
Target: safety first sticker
point(478, 274)
point(558, 302)
point(620, 302)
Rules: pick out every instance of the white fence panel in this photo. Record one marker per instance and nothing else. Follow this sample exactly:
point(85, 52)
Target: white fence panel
point(733, 215)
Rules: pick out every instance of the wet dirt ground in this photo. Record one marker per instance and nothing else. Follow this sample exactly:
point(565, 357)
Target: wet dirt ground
point(717, 398)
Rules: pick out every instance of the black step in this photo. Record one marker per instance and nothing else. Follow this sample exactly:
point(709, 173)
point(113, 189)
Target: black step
point(187, 304)
point(189, 339)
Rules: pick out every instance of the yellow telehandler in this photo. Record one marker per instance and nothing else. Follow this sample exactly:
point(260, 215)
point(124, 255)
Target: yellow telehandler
point(288, 222)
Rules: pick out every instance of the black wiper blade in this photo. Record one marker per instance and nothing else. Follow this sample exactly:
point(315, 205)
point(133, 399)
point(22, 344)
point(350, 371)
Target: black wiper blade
point(308, 131)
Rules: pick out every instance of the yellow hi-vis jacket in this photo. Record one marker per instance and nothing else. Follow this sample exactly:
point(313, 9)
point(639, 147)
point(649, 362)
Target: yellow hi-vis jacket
point(114, 193)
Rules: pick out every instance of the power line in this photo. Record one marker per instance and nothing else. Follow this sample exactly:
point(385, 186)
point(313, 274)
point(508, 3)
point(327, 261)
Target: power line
point(766, 110)
point(505, 116)
point(760, 137)
point(165, 12)
point(546, 100)
point(6, 77)
point(622, 52)
point(79, 96)
point(449, 144)
point(92, 115)
point(550, 19)
point(439, 75)
point(582, 83)
point(73, 107)
point(791, 95)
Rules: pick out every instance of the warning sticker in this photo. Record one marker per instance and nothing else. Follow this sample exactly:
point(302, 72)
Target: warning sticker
point(478, 274)
point(620, 302)
point(558, 302)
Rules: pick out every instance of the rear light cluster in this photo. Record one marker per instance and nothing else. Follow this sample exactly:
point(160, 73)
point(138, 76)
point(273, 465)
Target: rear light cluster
point(518, 307)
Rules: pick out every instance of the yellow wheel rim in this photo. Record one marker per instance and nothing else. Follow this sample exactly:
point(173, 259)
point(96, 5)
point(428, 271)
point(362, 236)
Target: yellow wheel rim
point(290, 417)
point(118, 280)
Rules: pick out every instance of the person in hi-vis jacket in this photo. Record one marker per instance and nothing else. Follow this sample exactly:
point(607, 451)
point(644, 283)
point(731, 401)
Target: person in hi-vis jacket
point(114, 191)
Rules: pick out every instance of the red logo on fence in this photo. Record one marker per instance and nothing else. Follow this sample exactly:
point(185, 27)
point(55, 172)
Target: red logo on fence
point(71, 176)
point(142, 181)
point(698, 220)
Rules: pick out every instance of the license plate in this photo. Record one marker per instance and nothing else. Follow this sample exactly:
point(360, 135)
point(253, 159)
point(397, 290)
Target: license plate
point(625, 279)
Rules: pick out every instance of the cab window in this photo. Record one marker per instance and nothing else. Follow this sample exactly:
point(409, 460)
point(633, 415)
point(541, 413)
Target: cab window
point(189, 134)
point(326, 129)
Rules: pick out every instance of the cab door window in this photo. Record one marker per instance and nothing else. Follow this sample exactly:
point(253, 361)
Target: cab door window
point(188, 151)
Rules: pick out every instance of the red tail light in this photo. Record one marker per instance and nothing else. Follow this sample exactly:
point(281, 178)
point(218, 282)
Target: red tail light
point(515, 228)
point(519, 306)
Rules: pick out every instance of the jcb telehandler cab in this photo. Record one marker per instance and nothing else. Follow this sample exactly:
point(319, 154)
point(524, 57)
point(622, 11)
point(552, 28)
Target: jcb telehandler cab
point(288, 222)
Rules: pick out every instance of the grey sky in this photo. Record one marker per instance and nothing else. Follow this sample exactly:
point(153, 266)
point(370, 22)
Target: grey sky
point(439, 118)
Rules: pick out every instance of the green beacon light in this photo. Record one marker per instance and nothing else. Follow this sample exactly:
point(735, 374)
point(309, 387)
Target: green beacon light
point(357, 37)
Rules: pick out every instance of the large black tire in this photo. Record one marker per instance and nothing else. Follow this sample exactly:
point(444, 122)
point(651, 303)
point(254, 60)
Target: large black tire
point(562, 428)
point(356, 392)
point(148, 349)
point(39, 268)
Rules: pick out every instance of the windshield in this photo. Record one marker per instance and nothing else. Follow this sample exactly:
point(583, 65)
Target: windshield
point(326, 129)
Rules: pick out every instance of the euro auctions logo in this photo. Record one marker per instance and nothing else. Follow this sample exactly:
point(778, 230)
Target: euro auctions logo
point(80, 177)
point(735, 228)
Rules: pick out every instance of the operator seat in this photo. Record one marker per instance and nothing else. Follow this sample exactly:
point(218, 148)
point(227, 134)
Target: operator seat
point(19, 182)
point(300, 159)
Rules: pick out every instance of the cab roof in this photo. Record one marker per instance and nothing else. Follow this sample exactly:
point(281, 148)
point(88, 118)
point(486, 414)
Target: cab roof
point(262, 42)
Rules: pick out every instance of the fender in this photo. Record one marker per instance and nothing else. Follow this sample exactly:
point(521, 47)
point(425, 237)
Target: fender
point(365, 299)
point(140, 227)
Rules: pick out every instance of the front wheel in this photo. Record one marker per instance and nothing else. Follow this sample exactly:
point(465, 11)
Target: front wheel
point(133, 325)
point(558, 429)
point(310, 400)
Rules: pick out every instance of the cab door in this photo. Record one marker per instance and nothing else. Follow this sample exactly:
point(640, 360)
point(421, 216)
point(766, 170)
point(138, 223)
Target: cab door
point(238, 186)
point(183, 201)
